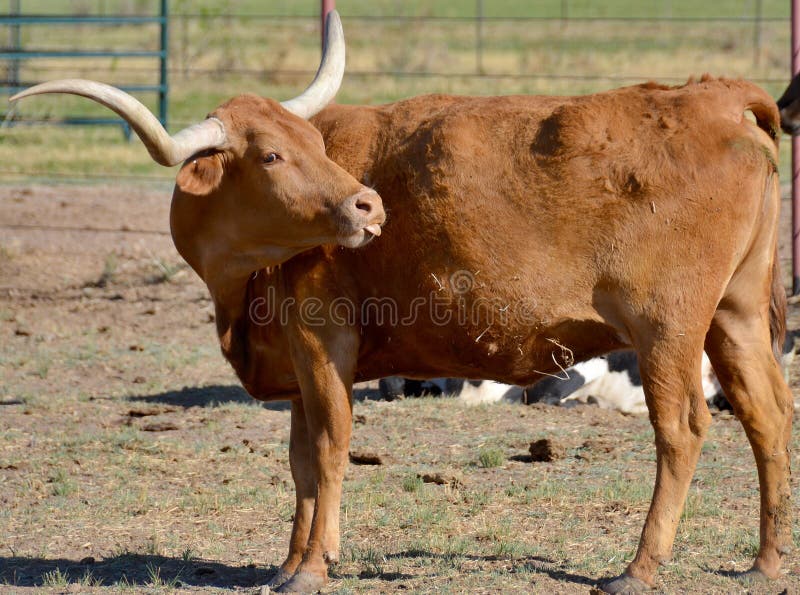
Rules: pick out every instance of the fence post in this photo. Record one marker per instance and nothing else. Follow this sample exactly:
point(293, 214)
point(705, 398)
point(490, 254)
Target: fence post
point(757, 33)
point(163, 87)
point(325, 7)
point(795, 158)
point(16, 45)
point(479, 36)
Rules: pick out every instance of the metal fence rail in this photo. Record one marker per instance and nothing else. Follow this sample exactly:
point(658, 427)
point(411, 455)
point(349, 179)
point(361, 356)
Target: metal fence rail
point(477, 22)
point(16, 54)
point(470, 54)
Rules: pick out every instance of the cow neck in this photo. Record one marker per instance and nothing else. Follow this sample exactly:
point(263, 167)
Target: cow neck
point(232, 306)
point(229, 307)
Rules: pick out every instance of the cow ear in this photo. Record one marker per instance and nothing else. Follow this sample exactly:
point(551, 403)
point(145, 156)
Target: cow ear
point(200, 175)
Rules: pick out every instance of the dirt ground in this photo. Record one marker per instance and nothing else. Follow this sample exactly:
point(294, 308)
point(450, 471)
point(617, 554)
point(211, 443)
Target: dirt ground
point(131, 459)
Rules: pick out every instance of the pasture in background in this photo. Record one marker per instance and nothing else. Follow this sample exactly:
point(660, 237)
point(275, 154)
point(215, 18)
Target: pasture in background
point(395, 49)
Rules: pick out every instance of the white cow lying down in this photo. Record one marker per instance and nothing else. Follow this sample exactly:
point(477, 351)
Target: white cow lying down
point(611, 382)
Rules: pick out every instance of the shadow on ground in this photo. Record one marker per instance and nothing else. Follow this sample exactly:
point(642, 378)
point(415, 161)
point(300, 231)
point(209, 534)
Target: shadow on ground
point(208, 396)
point(129, 570)
point(216, 395)
point(532, 564)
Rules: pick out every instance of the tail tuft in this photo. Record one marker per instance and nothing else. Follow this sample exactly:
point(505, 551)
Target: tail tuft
point(777, 309)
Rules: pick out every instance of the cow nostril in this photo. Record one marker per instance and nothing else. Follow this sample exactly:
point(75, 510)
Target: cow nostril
point(364, 205)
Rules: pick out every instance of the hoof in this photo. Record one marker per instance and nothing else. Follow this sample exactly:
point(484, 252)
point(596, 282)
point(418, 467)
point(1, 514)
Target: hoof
point(303, 582)
point(276, 580)
point(753, 576)
point(625, 584)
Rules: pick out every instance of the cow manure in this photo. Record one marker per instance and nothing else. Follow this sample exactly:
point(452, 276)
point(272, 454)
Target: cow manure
point(159, 427)
point(442, 479)
point(545, 450)
point(143, 412)
point(365, 458)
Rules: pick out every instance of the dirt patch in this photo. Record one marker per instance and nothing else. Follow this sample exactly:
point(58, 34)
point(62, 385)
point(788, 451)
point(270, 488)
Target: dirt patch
point(131, 457)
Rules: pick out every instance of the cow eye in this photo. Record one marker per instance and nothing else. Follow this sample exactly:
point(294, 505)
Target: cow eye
point(270, 158)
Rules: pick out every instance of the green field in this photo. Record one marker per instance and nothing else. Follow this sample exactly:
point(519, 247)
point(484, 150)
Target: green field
point(219, 49)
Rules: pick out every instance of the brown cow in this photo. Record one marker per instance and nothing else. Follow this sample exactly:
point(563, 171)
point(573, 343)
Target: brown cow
point(527, 232)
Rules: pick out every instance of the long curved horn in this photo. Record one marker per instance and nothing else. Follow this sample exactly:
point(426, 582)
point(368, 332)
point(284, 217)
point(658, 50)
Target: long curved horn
point(163, 148)
point(326, 83)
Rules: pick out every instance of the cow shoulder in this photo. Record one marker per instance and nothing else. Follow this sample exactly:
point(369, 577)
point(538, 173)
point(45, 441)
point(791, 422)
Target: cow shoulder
point(352, 134)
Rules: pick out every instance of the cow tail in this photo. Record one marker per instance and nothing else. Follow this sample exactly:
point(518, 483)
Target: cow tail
point(777, 309)
point(764, 109)
point(768, 119)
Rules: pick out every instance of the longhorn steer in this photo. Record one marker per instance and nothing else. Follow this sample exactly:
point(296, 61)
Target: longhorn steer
point(643, 217)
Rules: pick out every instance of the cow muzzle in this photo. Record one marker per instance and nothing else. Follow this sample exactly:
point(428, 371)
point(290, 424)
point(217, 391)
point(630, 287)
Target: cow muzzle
point(790, 118)
point(361, 218)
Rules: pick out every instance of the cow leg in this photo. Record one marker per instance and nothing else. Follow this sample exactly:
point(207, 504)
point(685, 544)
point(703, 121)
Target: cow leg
point(739, 349)
point(305, 483)
point(671, 377)
point(326, 379)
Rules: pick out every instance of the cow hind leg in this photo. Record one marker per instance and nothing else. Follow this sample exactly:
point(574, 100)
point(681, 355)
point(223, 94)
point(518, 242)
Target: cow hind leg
point(671, 377)
point(738, 345)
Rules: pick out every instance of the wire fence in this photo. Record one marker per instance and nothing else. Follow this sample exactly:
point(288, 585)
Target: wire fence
point(558, 46)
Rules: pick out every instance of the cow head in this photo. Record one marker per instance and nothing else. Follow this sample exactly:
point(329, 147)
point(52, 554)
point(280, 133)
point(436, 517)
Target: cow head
point(256, 187)
point(789, 106)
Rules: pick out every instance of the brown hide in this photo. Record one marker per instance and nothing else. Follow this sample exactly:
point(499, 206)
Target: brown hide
point(563, 228)
point(590, 211)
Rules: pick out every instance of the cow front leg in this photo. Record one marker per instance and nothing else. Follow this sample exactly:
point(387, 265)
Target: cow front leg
point(671, 375)
point(305, 483)
point(326, 378)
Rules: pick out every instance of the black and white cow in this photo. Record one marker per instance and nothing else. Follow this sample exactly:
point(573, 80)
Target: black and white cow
point(611, 382)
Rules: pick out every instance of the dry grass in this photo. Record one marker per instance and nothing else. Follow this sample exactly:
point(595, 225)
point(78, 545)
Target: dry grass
point(131, 460)
point(137, 501)
point(215, 59)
